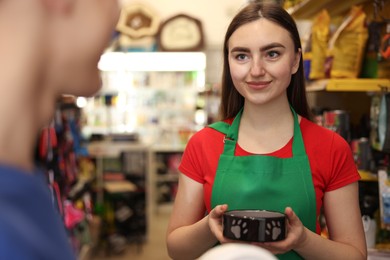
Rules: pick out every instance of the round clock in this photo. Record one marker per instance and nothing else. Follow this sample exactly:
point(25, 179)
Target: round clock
point(180, 33)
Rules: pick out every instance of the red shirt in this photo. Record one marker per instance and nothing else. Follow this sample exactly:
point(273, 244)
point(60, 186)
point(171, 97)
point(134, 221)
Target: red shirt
point(330, 157)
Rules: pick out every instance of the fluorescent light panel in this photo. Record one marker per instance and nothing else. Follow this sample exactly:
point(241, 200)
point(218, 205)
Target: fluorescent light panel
point(152, 61)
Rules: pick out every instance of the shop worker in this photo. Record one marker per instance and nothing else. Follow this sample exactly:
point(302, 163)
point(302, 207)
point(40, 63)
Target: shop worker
point(47, 48)
point(266, 154)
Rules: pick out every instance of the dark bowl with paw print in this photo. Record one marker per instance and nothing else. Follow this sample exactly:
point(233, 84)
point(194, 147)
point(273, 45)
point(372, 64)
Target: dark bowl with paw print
point(254, 225)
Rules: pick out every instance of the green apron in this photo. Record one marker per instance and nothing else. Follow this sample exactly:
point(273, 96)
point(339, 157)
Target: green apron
point(265, 182)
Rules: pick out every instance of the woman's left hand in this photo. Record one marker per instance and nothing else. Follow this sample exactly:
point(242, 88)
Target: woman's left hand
point(296, 235)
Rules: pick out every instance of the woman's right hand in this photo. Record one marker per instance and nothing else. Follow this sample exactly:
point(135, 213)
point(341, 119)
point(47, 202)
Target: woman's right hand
point(215, 222)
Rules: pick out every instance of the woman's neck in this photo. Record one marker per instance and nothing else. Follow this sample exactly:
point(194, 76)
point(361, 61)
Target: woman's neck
point(265, 129)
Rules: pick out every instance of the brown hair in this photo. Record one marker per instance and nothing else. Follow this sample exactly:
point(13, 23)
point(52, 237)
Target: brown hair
point(231, 100)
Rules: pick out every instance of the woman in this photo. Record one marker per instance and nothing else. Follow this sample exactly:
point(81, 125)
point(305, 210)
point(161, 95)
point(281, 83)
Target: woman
point(48, 48)
point(266, 154)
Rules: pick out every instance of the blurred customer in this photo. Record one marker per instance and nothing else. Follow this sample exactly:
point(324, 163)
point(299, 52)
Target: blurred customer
point(47, 48)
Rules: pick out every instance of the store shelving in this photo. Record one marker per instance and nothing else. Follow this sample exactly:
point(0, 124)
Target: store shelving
point(368, 176)
point(124, 199)
point(164, 176)
point(152, 95)
point(147, 106)
point(349, 85)
point(352, 95)
point(307, 9)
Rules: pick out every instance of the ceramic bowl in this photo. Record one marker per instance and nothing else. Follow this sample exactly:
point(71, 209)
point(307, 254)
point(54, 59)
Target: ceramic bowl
point(254, 225)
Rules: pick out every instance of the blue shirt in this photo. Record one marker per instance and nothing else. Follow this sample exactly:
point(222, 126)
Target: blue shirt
point(30, 227)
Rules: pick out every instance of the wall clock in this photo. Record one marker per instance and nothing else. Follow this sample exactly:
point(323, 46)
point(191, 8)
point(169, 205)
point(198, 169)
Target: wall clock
point(181, 33)
point(137, 21)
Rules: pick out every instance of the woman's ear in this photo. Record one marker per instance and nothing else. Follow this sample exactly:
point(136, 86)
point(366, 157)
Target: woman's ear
point(296, 61)
point(58, 6)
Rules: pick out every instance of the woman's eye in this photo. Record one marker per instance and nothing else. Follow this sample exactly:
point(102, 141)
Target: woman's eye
point(241, 56)
point(273, 54)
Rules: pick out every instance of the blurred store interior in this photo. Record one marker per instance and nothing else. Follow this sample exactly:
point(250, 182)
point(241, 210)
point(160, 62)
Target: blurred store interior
point(161, 83)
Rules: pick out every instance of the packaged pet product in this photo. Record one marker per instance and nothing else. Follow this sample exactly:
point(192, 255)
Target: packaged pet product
point(347, 45)
point(319, 45)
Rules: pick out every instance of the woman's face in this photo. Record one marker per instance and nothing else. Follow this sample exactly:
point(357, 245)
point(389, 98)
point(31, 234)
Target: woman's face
point(262, 59)
point(88, 32)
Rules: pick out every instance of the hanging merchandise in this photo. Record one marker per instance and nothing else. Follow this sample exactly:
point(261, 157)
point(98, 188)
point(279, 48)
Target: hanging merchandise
point(384, 123)
point(47, 159)
point(73, 215)
point(385, 45)
point(369, 225)
point(55, 192)
point(48, 142)
point(58, 148)
point(384, 198)
point(380, 122)
point(370, 64)
point(384, 54)
point(374, 121)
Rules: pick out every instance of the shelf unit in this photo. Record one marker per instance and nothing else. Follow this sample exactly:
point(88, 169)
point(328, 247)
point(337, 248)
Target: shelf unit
point(349, 85)
point(362, 89)
point(148, 101)
point(151, 95)
point(368, 176)
point(352, 94)
point(125, 200)
point(306, 9)
point(163, 176)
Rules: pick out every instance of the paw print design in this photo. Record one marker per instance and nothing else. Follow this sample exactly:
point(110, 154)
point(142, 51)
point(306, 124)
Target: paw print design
point(273, 229)
point(239, 228)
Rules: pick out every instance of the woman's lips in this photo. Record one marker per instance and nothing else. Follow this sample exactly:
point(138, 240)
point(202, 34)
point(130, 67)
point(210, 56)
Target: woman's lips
point(258, 84)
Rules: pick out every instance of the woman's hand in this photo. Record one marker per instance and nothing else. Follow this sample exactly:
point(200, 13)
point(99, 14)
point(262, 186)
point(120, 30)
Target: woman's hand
point(215, 223)
point(296, 235)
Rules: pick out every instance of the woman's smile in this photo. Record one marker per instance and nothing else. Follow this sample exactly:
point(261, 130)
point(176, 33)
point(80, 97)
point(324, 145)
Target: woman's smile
point(258, 85)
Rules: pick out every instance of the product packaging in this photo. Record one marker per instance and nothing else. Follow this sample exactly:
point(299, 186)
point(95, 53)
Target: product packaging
point(384, 54)
point(384, 198)
point(319, 45)
point(347, 45)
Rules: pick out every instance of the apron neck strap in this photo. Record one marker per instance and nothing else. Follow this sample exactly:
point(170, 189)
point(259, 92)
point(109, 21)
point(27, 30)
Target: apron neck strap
point(231, 138)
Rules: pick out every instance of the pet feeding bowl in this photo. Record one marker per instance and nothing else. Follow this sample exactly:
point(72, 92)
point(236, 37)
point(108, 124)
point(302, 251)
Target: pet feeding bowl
point(254, 225)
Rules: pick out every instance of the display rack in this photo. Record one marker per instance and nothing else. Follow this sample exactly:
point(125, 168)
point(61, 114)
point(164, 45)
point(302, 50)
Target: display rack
point(122, 202)
point(306, 9)
point(163, 176)
point(151, 95)
point(146, 109)
point(352, 95)
point(348, 85)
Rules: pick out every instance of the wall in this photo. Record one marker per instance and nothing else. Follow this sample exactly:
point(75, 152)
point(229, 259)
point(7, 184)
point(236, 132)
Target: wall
point(215, 16)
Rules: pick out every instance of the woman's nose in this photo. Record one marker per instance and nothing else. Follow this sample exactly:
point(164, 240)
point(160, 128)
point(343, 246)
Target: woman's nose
point(257, 68)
